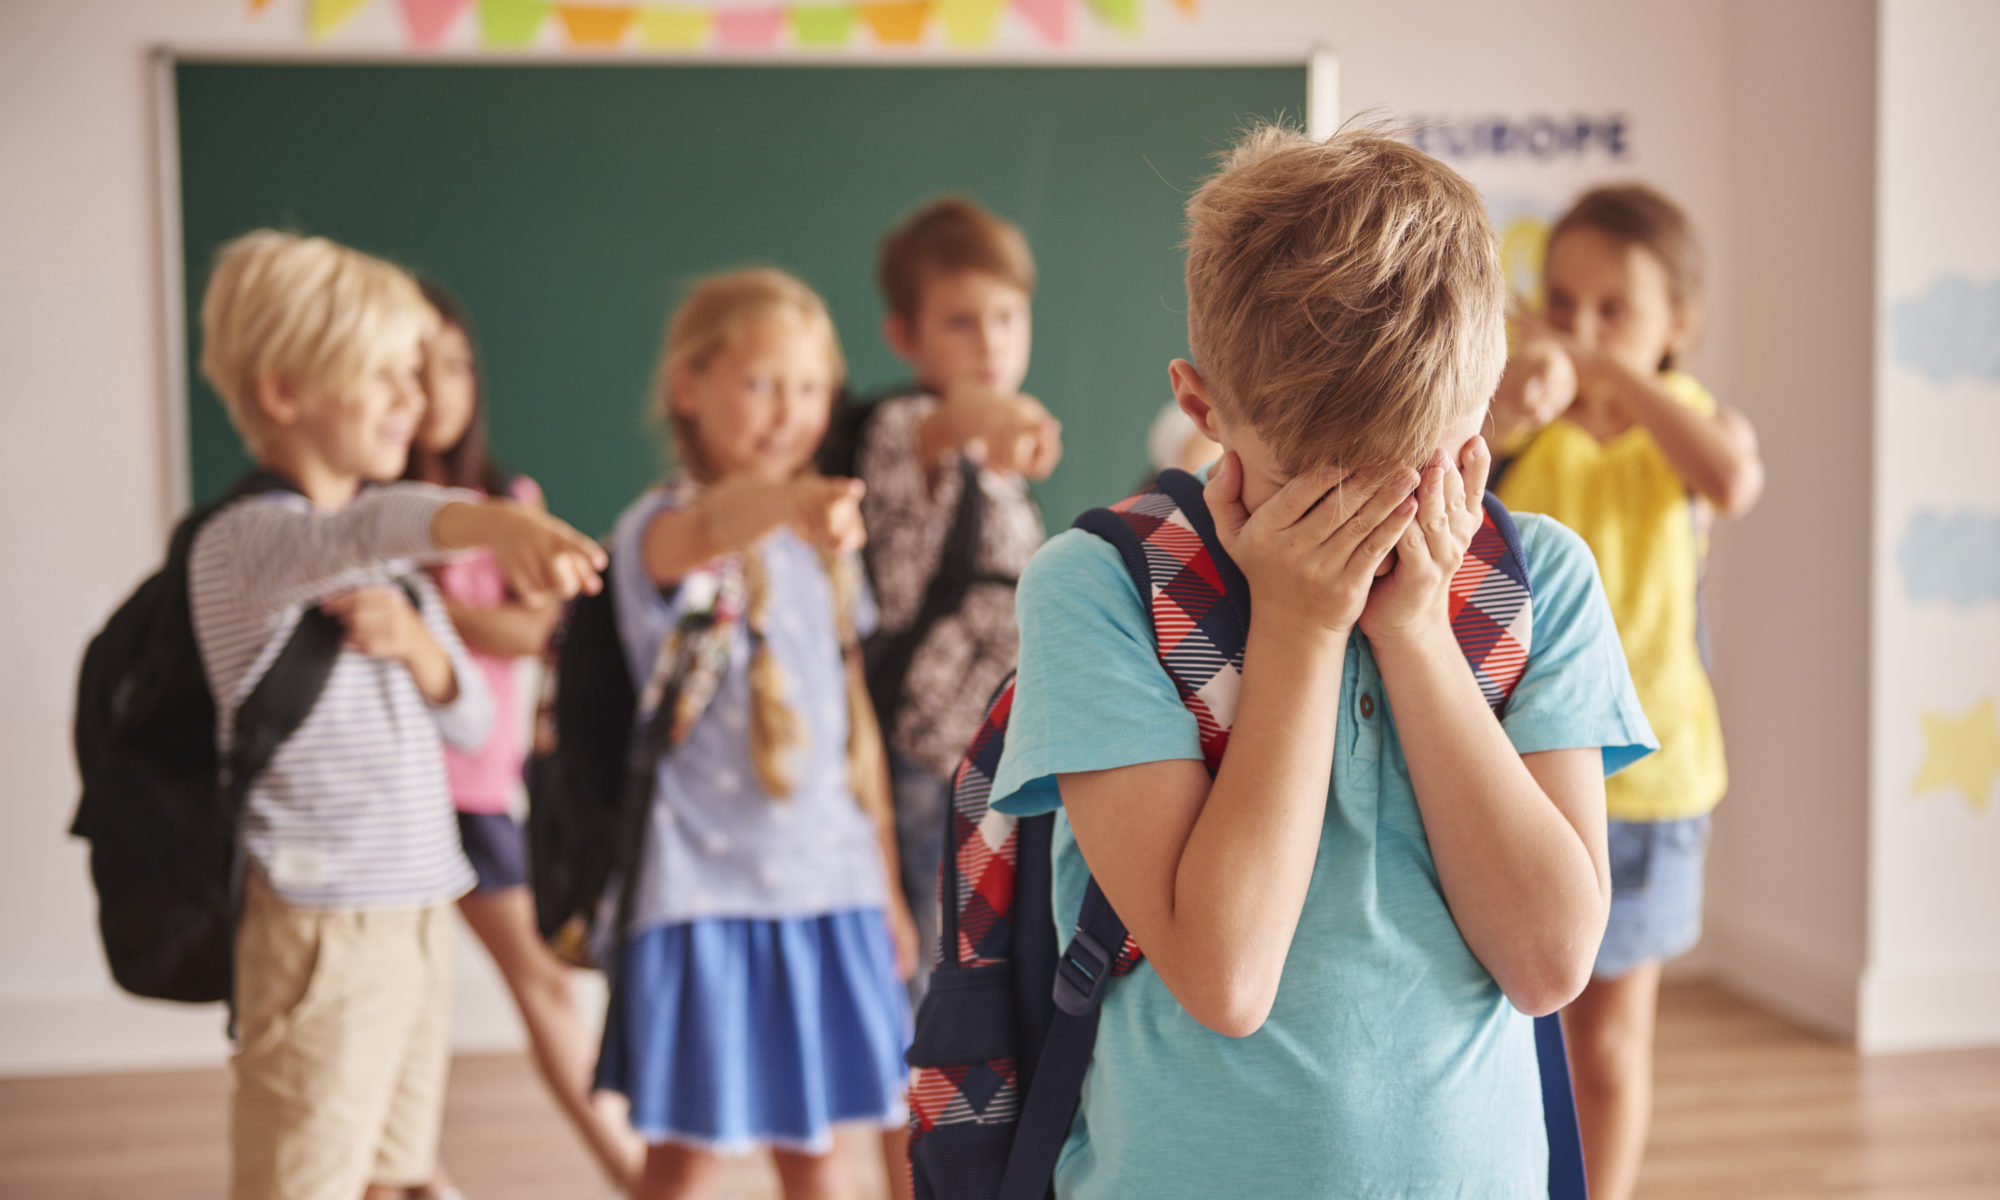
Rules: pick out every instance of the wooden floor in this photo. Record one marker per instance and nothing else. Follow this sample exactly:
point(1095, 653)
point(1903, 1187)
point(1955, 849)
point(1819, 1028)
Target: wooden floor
point(1748, 1107)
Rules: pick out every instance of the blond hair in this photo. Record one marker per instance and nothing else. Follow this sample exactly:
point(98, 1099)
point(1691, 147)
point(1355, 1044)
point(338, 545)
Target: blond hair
point(946, 236)
point(1345, 297)
point(715, 309)
point(701, 328)
point(307, 310)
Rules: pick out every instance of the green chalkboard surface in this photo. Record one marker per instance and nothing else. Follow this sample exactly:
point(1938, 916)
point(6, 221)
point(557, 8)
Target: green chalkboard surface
point(569, 205)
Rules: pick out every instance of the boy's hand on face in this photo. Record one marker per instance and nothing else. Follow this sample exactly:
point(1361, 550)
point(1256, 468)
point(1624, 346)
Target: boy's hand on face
point(381, 623)
point(1311, 551)
point(1010, 434)
point(1414, 598)
point(827, 513)
point(543, 560)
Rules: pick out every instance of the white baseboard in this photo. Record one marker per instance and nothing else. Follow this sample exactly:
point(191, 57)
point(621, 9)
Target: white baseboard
point(1951, 1007)
point(1798, 984)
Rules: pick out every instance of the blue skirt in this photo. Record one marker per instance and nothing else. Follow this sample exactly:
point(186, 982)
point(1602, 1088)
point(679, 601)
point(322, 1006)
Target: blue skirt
point(730, 1034)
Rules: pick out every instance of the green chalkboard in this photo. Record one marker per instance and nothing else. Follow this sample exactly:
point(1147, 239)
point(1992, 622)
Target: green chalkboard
point(569, 205)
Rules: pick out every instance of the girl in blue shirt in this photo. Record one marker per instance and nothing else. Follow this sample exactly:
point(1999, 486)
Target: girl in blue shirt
point(760, 1000)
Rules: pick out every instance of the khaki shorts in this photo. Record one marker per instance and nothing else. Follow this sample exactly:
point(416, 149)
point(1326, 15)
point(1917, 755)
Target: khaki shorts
point(343, 1019)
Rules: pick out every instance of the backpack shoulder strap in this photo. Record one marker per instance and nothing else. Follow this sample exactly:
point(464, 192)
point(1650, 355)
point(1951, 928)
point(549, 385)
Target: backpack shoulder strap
point(1492, 605)
point(1197, 597)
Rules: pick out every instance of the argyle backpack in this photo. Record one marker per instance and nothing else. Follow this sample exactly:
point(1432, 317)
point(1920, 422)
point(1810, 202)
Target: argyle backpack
point(1005, 1034)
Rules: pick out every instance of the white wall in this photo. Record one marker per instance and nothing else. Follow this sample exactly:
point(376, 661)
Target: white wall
point(1786, 912)
point(85, 473)
point(1934, 913)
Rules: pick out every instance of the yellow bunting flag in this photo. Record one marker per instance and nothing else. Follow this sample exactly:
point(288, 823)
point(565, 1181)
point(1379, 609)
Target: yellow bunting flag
point(511, 23)
point(1122, 13)
point(674, 28)
point(595, 25)
point(822, 25)
point(325, 16)
point(970, 22)
point(897, 22)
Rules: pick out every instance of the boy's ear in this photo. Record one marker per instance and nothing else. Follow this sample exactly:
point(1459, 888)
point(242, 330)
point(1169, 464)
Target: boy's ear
point(896, 336)
point(1191, 393)
point(278, 399)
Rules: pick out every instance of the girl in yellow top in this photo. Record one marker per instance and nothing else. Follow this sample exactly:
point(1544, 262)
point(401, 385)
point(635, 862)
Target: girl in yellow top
point(1637, 457)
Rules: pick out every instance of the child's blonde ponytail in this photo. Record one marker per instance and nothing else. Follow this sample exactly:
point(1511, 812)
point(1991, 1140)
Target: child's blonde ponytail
point(865, 775)
point(776, 731)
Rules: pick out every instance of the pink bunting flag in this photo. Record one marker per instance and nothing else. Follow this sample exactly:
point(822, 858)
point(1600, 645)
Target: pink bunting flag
point(429, 20)
point(749, 28)
point(1049, 18)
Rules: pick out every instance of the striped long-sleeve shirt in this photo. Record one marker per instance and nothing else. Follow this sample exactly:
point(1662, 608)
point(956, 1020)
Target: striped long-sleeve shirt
point(354, 810)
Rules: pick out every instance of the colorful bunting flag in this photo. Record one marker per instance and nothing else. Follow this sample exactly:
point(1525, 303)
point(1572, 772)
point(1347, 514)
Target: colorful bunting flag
point(595, 25)
point(749, 28)
point(1049, 18)
point(970, 22)
point(429, 20)
point(325, 16)
point(897, 22)
point(674, 28)
point(1122, 13)
point(511, 23)
point(818, 23)
point(822, 25)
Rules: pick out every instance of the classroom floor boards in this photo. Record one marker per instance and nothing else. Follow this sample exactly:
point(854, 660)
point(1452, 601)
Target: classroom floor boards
point(1748, 1107)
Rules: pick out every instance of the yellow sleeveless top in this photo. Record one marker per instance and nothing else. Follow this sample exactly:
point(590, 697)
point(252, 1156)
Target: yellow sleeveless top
point(1624, 499)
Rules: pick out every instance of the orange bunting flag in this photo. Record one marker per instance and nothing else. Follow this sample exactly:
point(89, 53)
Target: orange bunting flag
point(970, 23)
point(325, 16)
point(1189, 8)
point(593, 25)
point(429, 20)
point(822, 25)
point(897, 22)
point(674, 28)
point(511, 23)
point(258, 6)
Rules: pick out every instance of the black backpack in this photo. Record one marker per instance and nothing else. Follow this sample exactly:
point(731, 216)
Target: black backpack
point(888, 655)
point(576, 773)
point(160, 809)
point(590, 779)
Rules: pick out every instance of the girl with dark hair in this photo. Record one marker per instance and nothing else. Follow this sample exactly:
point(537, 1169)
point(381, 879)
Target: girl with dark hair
point(499, 629)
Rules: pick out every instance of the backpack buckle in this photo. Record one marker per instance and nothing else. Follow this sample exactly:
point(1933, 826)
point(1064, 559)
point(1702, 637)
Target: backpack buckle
point(1082, 974)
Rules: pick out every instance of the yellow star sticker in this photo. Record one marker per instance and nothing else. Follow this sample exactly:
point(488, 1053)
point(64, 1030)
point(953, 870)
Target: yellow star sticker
point(1964, 753)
